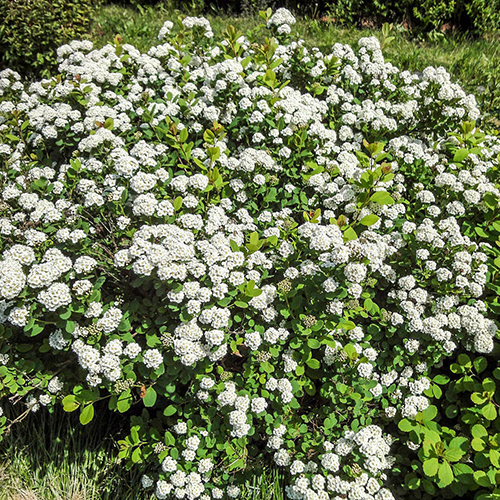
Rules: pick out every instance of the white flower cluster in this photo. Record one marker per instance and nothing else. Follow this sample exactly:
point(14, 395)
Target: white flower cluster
point(368, 442)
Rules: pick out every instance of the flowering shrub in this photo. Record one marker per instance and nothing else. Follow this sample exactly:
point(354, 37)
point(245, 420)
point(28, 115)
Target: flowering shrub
point(264, 254)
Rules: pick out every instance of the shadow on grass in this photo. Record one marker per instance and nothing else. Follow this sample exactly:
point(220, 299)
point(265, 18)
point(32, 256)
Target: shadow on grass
point(53, 457)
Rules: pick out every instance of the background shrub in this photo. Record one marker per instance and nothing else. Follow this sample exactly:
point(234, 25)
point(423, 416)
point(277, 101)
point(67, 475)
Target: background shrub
point(31, 31)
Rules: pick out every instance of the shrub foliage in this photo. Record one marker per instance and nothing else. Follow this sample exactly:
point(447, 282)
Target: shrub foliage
point(263, 255)
point(32, 30)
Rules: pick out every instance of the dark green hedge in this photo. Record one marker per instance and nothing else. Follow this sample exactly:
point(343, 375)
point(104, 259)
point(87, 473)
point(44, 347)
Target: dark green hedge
point(31, 31)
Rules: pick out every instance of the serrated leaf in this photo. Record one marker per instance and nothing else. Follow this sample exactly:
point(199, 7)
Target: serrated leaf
point(479, 431)
point(462, 469)
point(453, 454)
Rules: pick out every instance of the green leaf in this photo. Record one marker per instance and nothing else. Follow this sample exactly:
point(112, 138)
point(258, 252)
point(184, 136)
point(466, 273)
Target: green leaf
point(70, 403)
point(464, 360)
point(453, 454)
point(183, 135)
point(413, 482)
point(489, 411)
point(491, 201)
point(430, 466)
point(369, 220)
point(313, 363)
point(178, 203)
point(460, 155)
point(170, 410)
point(478, 444)
point(108, 123)
point(405, 425)
point(461, 470)
point(169, 439)
point(124, 401)
point(428, 486)
point(489, 385)
point(87, 414)
point(460, 442)
point(313, 344)
point(429, 413)
point(478, 398)
point(350, 234)
point(479, 431)
point(136, 455)
point(382, 197)
point(482, 479)
point(445, 474)
point(149, 399)
point(441, 379)
point(495, 458)
point(351, 352)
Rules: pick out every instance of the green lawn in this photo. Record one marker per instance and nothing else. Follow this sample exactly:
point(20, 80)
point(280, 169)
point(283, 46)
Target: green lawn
point(474, 63)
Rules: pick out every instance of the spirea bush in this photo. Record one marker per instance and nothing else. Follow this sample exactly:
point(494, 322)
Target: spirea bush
point(263, 255)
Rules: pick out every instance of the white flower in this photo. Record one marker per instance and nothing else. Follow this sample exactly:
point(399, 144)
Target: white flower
point(152, 358)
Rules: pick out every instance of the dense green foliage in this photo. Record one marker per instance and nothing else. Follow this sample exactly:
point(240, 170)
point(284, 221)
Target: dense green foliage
point(32, 30)
point(476, 17)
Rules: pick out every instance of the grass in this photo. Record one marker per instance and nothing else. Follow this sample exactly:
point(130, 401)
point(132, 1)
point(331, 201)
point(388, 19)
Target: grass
point(53, 457)
point(474, 63)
